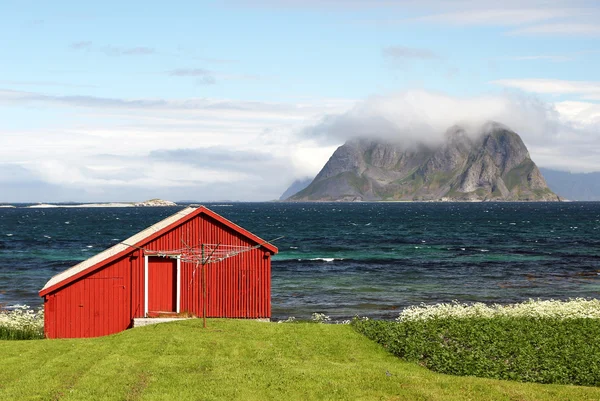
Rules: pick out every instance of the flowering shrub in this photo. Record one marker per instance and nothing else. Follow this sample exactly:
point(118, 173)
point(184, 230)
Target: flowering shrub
point(572, 309)
point(21, 323)
point(534, 341)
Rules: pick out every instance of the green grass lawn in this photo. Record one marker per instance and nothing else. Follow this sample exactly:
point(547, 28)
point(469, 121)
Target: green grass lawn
point(236, 359)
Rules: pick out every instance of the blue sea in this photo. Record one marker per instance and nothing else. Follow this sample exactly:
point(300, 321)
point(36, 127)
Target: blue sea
point(347, 259)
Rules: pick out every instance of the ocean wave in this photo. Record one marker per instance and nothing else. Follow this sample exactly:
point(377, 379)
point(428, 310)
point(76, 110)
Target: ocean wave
point(340, 261)
point(296, 259)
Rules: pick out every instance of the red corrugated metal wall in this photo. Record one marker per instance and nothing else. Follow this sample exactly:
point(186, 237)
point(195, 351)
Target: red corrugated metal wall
point(95, 305)
point(107, 300)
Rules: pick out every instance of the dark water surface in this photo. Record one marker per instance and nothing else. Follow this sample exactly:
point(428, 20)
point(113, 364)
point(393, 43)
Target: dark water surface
point(345, 259)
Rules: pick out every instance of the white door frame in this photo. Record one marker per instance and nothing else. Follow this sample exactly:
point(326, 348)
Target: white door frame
point(178, 296)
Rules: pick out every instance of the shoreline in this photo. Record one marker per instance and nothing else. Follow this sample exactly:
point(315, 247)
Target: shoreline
point(86, 205)
point(148, 203)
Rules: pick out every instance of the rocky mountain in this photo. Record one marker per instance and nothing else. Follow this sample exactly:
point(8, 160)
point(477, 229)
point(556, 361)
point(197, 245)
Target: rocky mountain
point(296, 187)
point(573, 186)
point(494, 166)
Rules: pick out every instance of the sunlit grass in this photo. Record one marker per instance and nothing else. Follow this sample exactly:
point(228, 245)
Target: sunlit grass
point(244, 360)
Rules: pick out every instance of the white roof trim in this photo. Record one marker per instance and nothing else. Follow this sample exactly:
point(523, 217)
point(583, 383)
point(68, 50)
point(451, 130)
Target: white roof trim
point(114, 250)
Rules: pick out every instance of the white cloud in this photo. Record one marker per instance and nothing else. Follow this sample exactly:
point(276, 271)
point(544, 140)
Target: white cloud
point(529, 17)
point(589, 90)
point(553, 58)
point(425, 116)
point(113, 50)
point(128, 148)
point(564, 136)
point(568, 29)
point(580, 113)
point(498, 16)
point(404, 53)
point(556, 58)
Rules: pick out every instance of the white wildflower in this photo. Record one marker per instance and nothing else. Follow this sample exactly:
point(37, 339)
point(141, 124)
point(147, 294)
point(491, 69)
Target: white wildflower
point(556, 309)
point(22, 317)
point(320, 317)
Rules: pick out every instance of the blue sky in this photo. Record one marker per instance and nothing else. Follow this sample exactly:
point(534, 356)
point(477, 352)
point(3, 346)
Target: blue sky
point(213, 100)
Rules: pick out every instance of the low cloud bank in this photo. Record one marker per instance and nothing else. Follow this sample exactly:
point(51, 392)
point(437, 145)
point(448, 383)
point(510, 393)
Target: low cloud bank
point(414, 116)
point(557, 135)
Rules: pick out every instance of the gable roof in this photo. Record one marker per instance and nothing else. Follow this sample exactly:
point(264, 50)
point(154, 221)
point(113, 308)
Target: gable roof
point(156, 230)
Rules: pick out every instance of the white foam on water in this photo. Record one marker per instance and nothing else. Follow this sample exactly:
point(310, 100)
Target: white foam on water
point(9, 235)
point(15, 306)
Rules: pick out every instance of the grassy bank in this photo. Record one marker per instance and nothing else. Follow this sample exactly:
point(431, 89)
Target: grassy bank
point(243, 360)
point(12, 333)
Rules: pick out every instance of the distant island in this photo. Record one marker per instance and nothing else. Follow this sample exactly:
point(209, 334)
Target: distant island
point(573, 186)
point(148, 203)
point(493, 165)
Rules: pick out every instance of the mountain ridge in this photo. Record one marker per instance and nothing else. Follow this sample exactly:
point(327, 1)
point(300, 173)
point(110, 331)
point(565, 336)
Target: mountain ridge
point(573, 186)
point(493, 166)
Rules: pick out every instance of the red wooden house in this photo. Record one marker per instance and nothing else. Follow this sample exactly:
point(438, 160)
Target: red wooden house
point(143, 275)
